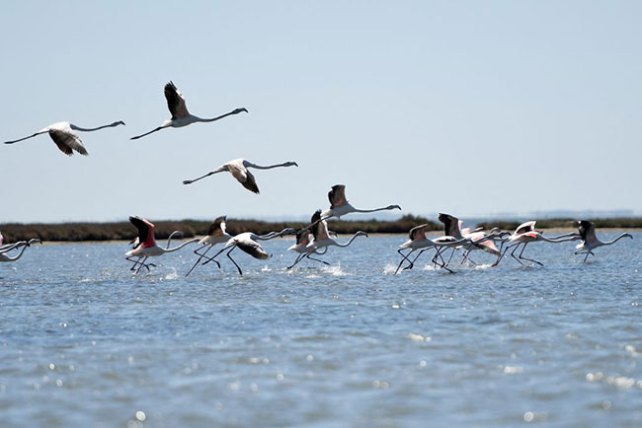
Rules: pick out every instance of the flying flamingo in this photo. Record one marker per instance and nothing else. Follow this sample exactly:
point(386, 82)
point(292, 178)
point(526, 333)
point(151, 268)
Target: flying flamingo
point(216, 234)
point(303, 238)
point(147, 246)
point(239, 170)
point(180, 115)
point(322, 239)
point(526, 233)
point(62, 134)
point(247, 242)
point(339, 205)
point(477, 239)
point(589, 239)
point(417, 240)
point(5, 249)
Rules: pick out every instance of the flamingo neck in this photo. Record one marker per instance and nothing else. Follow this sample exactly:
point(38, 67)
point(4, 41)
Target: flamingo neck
point(78, 128)
point(178, 247)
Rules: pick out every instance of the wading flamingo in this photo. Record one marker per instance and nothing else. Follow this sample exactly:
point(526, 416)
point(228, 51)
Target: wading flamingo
point(180, 115)
point(303, 238)
point(339, 205)
point(321, 237)
point(216, 234)
point(417, 240)
point(147, 246)
point(247, 242)
point(62, 134)
point(239, 170)
point(590, 240)
point(525, 234)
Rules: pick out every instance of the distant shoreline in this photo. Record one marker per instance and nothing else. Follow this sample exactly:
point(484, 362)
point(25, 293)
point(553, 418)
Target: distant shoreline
point(124, 231)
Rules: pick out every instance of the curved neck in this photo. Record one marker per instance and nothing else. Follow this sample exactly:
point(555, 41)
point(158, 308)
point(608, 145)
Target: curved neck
point(252, 165)
point(200, 119)
point(624, 235)
point(16, 257)
point(352, 238)
point(78, 128)
point(561, 238)
point(271, 235)
point(178, 247)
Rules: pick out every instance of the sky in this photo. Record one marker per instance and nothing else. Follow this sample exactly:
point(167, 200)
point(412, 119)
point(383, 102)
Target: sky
point(472, 108)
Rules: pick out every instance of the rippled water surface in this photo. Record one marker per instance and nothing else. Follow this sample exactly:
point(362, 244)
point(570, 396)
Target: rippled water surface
point(83, 342)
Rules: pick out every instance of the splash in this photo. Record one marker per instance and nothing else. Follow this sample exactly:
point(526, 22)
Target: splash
point(334, 270)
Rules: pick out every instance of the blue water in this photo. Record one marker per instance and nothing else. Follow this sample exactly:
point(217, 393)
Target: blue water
point(84, 343)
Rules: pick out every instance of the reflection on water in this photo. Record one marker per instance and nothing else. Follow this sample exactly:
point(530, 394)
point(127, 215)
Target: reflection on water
point(83, 342)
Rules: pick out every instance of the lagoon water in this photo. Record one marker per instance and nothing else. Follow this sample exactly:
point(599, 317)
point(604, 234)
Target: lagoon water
point(85, 343)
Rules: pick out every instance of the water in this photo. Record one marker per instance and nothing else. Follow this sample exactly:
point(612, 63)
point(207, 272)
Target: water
point(85, 343)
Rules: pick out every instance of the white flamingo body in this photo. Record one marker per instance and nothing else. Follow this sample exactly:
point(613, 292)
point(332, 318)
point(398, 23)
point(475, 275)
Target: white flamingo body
point(524, 234)
point(239, 168)
point(180, 115)
point(417, 240)
point(147, 246)
point(590, 240)
point(63, 135)
point(248, 243)
point(339, 205)
point(322, 237)
point(216, 234)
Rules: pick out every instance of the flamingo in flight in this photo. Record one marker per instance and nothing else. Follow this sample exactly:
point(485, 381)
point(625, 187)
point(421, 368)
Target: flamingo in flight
point(321, 237)
point(147, 246)
point(477, 239)
point(525, 234)
point(303, 238)
point(248, 242)
point(216, 234)
point(339, 205)
point(590, 240)
point(180, 115)
point(62, 133)
point(5, 249)
point(239, 170)
point(417, 240)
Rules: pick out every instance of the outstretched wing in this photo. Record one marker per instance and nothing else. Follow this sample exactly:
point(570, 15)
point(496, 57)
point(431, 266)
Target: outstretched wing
point(67, 142)
point(418, 232)
point(451, 225)
point(587, 230)
point(145, 228)
point(337, 195)
point(175, 101)
point(217, 228)
point(250, 182)
point(253, 248)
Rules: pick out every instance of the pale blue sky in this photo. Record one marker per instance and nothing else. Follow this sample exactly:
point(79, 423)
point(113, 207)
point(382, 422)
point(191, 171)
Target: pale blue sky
point(473, 108)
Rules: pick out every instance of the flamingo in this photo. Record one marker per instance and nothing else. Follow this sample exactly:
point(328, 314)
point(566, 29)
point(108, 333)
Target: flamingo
point(526, 233)
point(62, 134)
point(247, 242)
point(5, 249)
point(322, 239)
point(339, 205)
point(180, 115)
point(303, 238)
point(417, 240)
point(147, 246)
point(239, 170)
point(216, 234)
point(590, 240)
point(477, 239)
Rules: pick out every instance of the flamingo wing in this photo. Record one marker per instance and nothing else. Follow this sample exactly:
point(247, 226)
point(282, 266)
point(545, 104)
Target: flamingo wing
point(587, 231)
point(528, 226)
point(418, 233)
point(337, 196)
point(252, 248)
point(145, 228)
point(67, 142)
point(175, 101)
point(217, 228)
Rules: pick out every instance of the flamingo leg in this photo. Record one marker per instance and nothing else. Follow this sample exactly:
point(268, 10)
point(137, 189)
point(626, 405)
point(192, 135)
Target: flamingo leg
point(404, 258)
point(588, 253)
point(298, 259)
point(515, 249)
point(443, 264)
point(211, 259)
point(141, 264)
point(201, 256)
point(230, 257)
point(530, 260)
point(309, 256)
point(412, 262)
